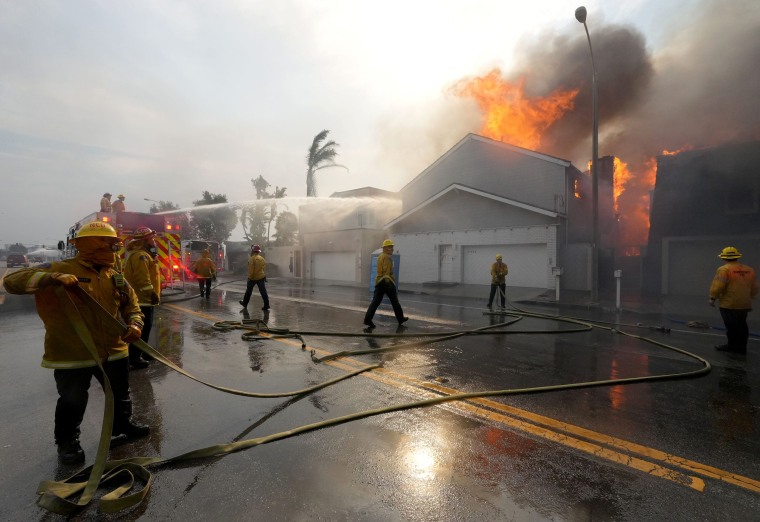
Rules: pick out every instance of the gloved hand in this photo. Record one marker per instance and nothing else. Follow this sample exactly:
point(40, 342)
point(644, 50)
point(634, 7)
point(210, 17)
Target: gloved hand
point(213, 277)
point(154, 299)
point(133, 333)
point(62, 279)
point(711, 302)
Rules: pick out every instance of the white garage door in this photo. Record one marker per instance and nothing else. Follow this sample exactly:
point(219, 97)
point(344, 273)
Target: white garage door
point(338, 266)
point(528, 264)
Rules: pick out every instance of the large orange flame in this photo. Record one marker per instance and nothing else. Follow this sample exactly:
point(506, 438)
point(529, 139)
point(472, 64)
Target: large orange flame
point(509, 114)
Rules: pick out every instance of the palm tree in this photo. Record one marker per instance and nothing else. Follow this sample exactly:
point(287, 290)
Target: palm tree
point(320, 156)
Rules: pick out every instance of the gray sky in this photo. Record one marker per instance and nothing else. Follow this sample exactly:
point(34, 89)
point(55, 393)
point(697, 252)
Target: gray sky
point(164, 99)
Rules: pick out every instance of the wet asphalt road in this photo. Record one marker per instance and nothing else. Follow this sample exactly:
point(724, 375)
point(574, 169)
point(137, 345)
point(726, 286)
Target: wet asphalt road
point(668, 450)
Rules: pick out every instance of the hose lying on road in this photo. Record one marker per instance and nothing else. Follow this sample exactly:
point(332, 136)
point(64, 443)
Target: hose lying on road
point(127, 473)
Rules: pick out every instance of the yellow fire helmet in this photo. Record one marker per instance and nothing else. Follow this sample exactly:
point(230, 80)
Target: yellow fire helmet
point(498, 257)
point(387, 243)
point(729, 253)
point(96, 229)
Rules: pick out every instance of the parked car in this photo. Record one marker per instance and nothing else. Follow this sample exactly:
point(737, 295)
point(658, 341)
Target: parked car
point(16, 260)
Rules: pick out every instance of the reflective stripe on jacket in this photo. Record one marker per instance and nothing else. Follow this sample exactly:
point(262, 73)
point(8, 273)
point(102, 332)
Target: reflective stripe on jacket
point(142, 273)
point(63, 347)
point(385, 269)
point(257, 267)
point(734, 286)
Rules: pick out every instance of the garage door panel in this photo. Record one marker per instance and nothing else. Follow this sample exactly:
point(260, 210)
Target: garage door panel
point(336, 266)
point(528, 264)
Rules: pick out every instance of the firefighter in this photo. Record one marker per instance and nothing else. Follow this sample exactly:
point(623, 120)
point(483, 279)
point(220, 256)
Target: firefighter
point(385, 284)
point(118, 205)
point(257, 275)
point(73, 366)
point(205, 270)
point(142, 273)
point(105, 202)
point(499, 271)
point(733, 286)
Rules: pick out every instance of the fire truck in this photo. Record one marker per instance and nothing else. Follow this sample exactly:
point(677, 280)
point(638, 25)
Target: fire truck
point(191, 252)
point(168, 239)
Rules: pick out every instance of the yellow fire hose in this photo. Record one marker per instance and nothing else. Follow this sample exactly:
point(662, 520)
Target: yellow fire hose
point(126, 472)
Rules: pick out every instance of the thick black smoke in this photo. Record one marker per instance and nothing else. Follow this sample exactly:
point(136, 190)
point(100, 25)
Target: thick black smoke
point(699, 88)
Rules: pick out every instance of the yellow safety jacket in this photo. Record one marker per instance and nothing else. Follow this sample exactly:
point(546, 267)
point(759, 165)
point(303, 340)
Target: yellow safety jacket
point(385, 269)
point(63, 347)
point(499, 273)
point(204, 267)
point(257, 267)
point(118, 206)
point(734, 286)
point(143, 274)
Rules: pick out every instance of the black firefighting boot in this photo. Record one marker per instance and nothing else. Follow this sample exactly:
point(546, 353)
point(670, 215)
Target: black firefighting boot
point(70, 452)
point(136, 362)
point(124, 430)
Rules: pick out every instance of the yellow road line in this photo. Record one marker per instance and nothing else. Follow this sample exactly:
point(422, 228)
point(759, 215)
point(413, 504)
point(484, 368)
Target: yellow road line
point(596, 444)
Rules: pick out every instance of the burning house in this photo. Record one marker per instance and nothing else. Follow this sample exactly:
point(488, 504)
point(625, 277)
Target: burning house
point(484, 197)
point(703, 200)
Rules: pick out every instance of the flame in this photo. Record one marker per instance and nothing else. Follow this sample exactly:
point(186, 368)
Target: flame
point(577, 188)
point(621, 175)
point(510, 115)
point(632, 188)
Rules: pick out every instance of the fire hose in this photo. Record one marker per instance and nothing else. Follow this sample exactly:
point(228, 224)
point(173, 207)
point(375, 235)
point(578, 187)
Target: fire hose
point(126, 473)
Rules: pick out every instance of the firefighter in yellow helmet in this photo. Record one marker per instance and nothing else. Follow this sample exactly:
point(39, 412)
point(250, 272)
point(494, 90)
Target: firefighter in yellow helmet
point(92, 271)
point(118, 205)
point(499, 271)
point(385, 284)
point(142, 273)
point(205, 270)
point(257, 276)
point(733, 287)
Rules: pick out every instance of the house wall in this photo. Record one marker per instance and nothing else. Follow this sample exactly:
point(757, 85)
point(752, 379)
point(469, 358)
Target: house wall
point(362, 242)
point(419, 252)
point(708, 197)
point(491, 167)
point(460, 210)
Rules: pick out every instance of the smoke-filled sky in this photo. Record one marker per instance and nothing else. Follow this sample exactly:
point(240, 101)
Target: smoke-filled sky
point(163, 99)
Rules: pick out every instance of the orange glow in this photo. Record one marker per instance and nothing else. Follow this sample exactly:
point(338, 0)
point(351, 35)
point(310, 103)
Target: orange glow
point(621, 176)
point(510, 115)
point(632, 188)
point(577, 188)
point(666, 152)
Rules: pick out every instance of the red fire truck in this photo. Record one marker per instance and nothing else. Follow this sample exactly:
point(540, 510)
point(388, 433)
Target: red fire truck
point(168, 238)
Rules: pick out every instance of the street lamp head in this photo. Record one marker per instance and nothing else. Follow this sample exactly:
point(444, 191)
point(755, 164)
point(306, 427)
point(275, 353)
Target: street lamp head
point(580, 14)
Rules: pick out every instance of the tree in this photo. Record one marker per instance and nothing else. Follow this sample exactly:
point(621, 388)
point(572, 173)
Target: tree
point(216, 223)
point(186, 227)
point(320, 156)
point(257, 218)
point(287, 229)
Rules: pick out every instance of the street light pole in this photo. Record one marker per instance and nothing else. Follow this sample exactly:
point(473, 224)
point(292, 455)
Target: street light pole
point(580, 15)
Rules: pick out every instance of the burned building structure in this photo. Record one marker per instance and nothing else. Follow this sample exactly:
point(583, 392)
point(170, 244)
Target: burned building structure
point(703, 200)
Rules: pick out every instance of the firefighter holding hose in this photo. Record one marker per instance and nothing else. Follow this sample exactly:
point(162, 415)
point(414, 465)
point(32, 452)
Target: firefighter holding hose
point(66, 353)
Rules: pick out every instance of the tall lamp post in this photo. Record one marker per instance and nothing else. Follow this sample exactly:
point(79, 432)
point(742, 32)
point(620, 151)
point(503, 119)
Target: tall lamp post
point(580, 15)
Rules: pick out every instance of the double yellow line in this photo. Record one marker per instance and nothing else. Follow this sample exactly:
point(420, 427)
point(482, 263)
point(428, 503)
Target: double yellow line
point(641, 458)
